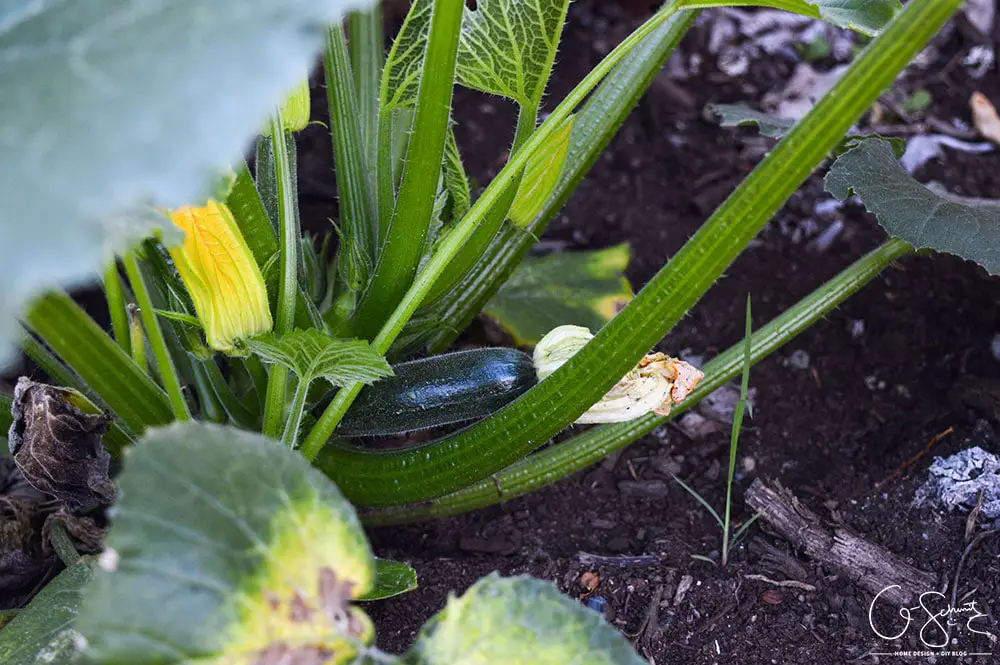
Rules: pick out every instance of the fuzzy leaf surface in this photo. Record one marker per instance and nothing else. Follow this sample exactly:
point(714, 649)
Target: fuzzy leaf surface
point(312, 354)
point(508, 47)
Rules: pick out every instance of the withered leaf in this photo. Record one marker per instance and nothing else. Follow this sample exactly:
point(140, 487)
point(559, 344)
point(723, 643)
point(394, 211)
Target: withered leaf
point(58, 447)
point(23, 567)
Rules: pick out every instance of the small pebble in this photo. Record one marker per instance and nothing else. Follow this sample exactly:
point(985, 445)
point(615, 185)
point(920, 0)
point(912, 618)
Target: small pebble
point(857, 328)
point(799, 359)
point(597, 603)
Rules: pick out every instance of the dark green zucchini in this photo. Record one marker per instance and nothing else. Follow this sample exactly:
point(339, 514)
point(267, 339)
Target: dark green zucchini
point(439, 390)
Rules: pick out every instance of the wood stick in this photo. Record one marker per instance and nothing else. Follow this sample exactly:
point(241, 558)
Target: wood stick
point(868, 565)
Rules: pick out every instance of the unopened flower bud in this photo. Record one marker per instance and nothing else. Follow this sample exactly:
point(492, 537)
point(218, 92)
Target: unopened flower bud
point(559, 345)
point(221, 275)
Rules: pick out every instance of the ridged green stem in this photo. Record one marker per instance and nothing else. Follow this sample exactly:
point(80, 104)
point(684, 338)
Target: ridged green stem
point(563, 459)
point(406, 476)
point(288, 289)
point(479, 240)
point(358, 221)
point(164, 362)
point(366, 48)
point(401, 246)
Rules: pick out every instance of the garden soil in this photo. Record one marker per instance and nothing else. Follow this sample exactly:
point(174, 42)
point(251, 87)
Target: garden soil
point(848, 416)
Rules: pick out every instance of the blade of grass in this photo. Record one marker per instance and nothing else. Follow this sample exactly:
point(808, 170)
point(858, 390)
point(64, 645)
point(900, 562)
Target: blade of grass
point(582, 450)
point(734, 435)
point(402, 245)
point(700, 499)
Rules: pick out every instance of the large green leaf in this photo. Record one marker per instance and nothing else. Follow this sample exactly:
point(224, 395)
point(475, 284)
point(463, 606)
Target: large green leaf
point(519, 621)
point(579, 288)
point(226, 547)
point(110, 104)
point(312, 354)
point(508, 47)
point(909, 211)
point(43, 631)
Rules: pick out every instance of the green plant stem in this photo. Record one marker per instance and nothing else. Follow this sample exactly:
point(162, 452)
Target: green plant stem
point(291, 433)
point(358, 223)
point(454, 241)
point(527, 119)
point(401, 247)
point(288, 289)
point(479, 240)
point(366, 47)
point(388, 478)
point(165, 364)
point(137, 341)
point(258, 375)
point(577, 453)
point(116, 305)
point(385, 184)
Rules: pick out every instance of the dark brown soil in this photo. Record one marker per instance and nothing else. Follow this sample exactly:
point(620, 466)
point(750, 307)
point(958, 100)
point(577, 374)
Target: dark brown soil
point(876, 391)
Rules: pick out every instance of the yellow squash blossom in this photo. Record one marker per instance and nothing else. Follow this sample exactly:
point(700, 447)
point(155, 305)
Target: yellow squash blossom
point(221, 275)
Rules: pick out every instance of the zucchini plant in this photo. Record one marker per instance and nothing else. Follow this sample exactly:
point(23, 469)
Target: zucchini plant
point(245, 363)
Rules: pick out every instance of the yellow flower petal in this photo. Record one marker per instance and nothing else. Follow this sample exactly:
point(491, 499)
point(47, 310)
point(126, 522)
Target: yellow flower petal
point(221, 275)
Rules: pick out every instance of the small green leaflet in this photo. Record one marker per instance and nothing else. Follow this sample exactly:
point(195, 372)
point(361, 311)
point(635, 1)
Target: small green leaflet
point(508, 47)
point(578, 288)
point(225, 545)
point(519, 621)
point(771, 126)
point(455, 180)
point(912, 212)
point(72, 191)
point(392, 578)
point(312, 354)
point(45, 626)
point(541, 175)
